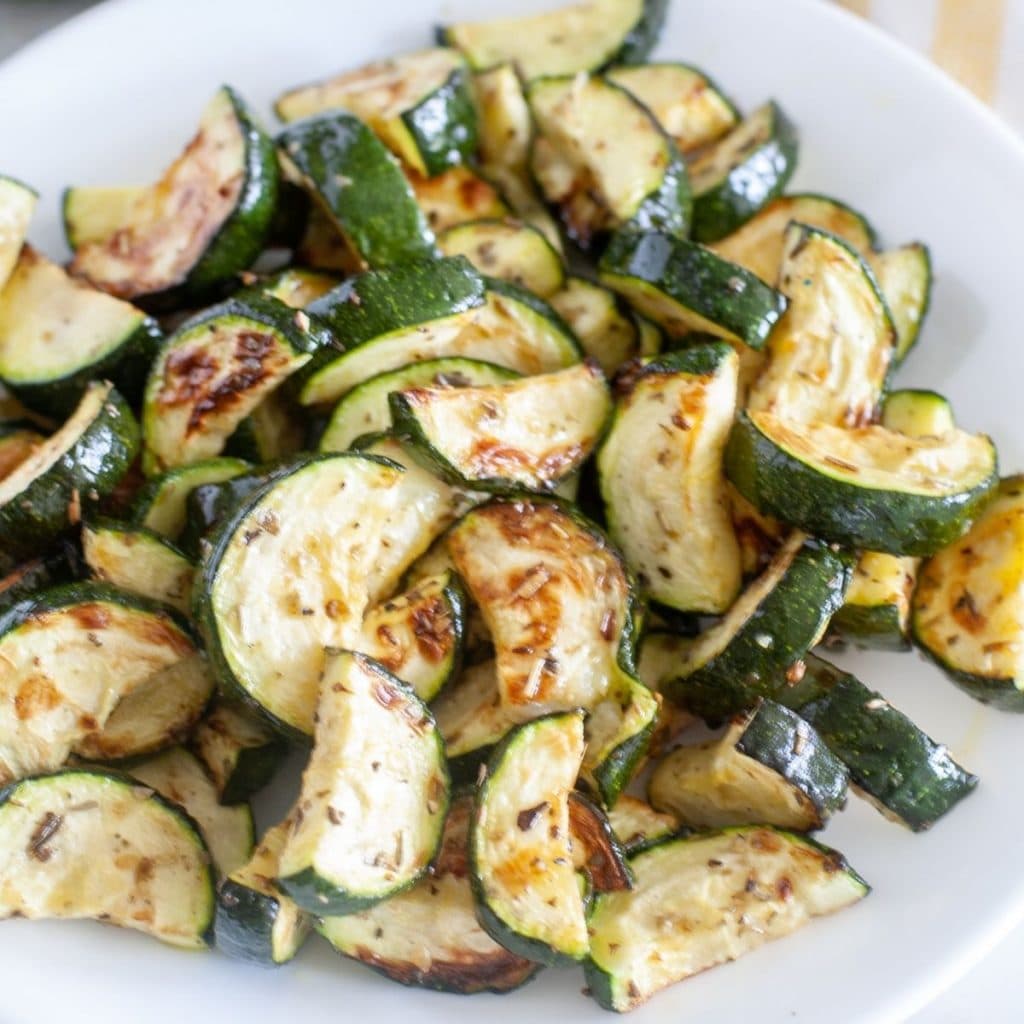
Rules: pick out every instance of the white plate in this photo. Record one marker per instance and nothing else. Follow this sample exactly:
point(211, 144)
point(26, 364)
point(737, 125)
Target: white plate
point(110, 98)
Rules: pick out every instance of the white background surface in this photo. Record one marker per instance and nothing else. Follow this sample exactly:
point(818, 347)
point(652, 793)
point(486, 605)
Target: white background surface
point(994, 991)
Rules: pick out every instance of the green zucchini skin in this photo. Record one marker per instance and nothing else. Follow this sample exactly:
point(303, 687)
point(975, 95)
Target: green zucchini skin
point(878, 627)
point(892, 761)
point(734, 302)
point(380, 219)
point(644, 35)
point(788, 620)
point(917, 412)
point(58, 566)
point(88, 470)
point(888, 520)
point(443, 126)
point(244, 928)
point(751, 183)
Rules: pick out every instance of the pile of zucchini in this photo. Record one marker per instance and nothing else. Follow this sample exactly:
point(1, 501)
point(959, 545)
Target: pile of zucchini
point(488, 434)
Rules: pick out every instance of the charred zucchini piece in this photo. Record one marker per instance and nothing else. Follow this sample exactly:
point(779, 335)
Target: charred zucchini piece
point(520, 845)
point(597, 852)
point(776, 620)
point(17, 204)
point(580, 37)
point(734, 178)
point(215, 370)
point(510, 250)
point(37, 574)
point(829, 359)
point(255, 921)
point(457, 196)
point(768, 767)
point(138, 560)
point(669, 513)
point(364, 410)
point(684, 287)
point(560, 606)
point(905, 278)
point(62, 859)
point(359, 185)
point(868, 487)
point(179, 777)
point(67, 475)
point(194, 230)
point(419, 104)
point(893, 763)
point(267, 610)
point(725, 894)
point(57, 334)
point(429, 936)
point(374, 794)
point(240, 753)
point(527, 434)
point(684, 100)
point(968, 607)
point(418, 635)
point(603, 158)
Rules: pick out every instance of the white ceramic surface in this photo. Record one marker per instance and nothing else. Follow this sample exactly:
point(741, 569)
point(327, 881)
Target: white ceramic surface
point(111, 96)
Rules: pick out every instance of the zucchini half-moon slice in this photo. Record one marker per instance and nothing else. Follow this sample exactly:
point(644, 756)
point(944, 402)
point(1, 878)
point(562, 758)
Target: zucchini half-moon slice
point(61, 857)
point(17, 204)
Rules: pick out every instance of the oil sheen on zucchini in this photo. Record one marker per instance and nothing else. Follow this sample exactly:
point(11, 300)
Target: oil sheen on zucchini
point(868, 487)
point(61, 858)
point(968, 607)
point(520, 845)
point(527, 434)
point(768, 767)
point(204, 221)
point(726, 893)
point(669, 512)
point(374, 794)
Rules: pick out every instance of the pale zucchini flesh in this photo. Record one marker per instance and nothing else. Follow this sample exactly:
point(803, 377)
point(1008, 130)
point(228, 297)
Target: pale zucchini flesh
point(17, 204)
point(92, 213)
point(374, 795)
point(637, 824)
point(876, 612)
point(525, 434)
point(704, 900)
point(88, 844)
point(456, 196)
point(905, 278)
point(504, 126)
point(606, 333)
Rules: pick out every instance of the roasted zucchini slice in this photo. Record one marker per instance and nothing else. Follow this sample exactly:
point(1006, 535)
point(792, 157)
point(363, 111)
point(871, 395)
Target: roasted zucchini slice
point(580, 37)
point(684, 287)
point(869, 487)
point(830, 357)
point(418, 636)
point(769, 767)
point(520, 845)
point(214, 371)
point(57, 334)
point(904, 773)
point(359, 185)
point(703, 900)
point(527, 434)
point(917, 413)
point(519, 194)
point(419, 105)
point(138, 560)
point(62, 857)
point(37, 574)
point(758, 245)
point(374, 795)
point(876, 612)
point(272, 431)
point(293, 569)
point(504, 126)
point(296, 287)
point(559, 604)
point(776, 620)
point(17, 204)
point(93, 213)
point(205, 220)
point(638, 825)
point(179, 777)
point(684, 100)
point(905, 278)
point(239, 752)
point(67, 475)
point(255, 921)
point(457, 196)
point(160, 505)
point(364, 409)
point(968, 607)
point(597, 853)
point(429, 935)
point(510, 250)
point(606, 332)
point(734, 178)
point(669, 513)
point(603, 158)
point(385, 319)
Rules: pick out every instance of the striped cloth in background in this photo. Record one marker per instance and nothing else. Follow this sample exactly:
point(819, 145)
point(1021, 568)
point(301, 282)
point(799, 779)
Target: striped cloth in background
point(979, 42)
